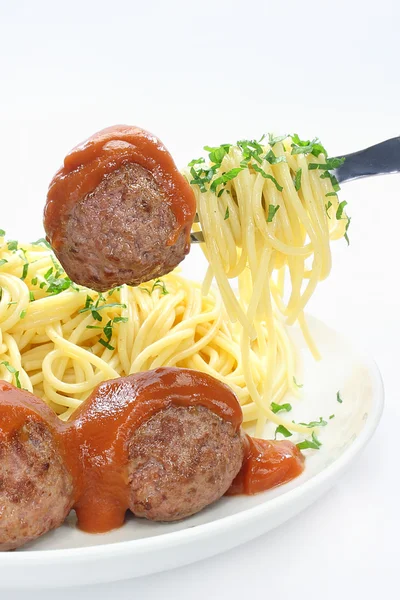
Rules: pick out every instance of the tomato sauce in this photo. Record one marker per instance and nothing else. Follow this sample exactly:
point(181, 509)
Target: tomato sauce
point(104, 152)
point(95, 442)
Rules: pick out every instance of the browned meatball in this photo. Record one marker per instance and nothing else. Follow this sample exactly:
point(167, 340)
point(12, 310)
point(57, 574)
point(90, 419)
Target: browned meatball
point(181, 460)
point(35, 487)
point(118, 210)
point(118, 233)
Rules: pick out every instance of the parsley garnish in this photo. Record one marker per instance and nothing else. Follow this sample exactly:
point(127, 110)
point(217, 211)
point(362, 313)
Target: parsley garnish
point(226, 213)
point(217, 153)
point(327, 207)
point(275, 140)
point(276, 408)
point(299, 385)
point(106, 344)
point(22, 314)
point(94, 307)
point(274, 160)
point(306, 147)
point(3, 261)
point(329, 165)
point(340, 209)
point(25, 271)
point(120, 319)
point(267, 176)
point(159, 283)
point(12, 245)
point(225, 177)
point(338, 397)
point(272, 210)
point(331, 417)
point(31, 296)
point(2, 233)
point(196, 161)
point(346, 237)
point(282, 430)
point(41, 241)
point(297, 180)
point(34, 281)
point(313, 444)
point(320, 423)
point(13, 371)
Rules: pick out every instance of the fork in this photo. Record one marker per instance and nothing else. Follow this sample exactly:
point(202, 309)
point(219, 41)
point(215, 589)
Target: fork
point(380, 159)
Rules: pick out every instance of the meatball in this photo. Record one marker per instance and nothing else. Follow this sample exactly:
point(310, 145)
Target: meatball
point(118, 210)
point(36, 491)
point(118, 233)
point(181, 460)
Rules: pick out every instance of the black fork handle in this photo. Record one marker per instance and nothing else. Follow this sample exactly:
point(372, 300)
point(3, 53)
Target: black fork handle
point(379, 159)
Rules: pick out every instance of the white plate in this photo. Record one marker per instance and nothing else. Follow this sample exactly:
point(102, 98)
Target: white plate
point(69, 557)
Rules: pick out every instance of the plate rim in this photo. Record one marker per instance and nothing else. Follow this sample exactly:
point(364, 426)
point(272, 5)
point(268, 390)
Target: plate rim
point(222, 524)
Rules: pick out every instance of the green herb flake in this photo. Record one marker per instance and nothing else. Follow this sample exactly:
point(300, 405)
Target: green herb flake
point(299, 385)
point(330, 194)
point(25, 271)
point(275, 140)
point(331, 417)
point(196, 161)
point(12, 245)
point(42, 241)
point(274, 160)
point(22, 314)
point(272, 210)
point(226, 213)
point(276, 408)
point(346, 237)
point(329, 165)
point(34, 281)
point(327, 207)
point(2, 233)
point(297, 180)
point(340, 209)
point(338, 397)
point(120, 319)
point(225, 177)
point(106, 344)
point(320, 423)
point(31, 296)
point(313, 444)
point(267, 176)
point(283, 431)
point(13, 371)
point(3, 261)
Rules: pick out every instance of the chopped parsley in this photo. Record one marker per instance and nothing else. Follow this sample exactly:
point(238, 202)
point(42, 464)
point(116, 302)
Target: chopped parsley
point(272, 210)
point(3, 261)
point(338, 397)
point(320, 423)
point(331, 417)
point(327, 207)
point(31, 296)
point(34, 281)
point(42, 241)
point(346, 237)
point(12, 245)
point(13, 371)
point(299, 385)
point(313, 444)
point(274, 160)
point(22, 314)
point(283, 431)
point(329, 165)
point(267, 176)
point(276, 408)
point(307, 147)
point(340, 209)
point(2, 233)
point(225, 177)
point(275, 140)
point(25, 270)
point(95, 307)
point(226, 213)
point(196, 161)
point(297, 180)
point(160, 284)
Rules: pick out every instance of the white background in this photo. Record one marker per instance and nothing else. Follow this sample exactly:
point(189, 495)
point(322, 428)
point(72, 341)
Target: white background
point(206, 73)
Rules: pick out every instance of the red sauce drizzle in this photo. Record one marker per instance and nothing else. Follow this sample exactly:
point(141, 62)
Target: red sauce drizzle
point(104, 152)
point(267, 463)
point(95, 443)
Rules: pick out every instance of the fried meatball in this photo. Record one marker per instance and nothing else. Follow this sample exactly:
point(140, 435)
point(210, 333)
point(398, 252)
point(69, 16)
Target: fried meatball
point(36, 491)
point(118, 233)
point(181, 460)
point(118, 210)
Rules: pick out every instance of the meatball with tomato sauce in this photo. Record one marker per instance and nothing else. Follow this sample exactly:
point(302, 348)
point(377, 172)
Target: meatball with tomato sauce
point(36, 490)
point(119, 211)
